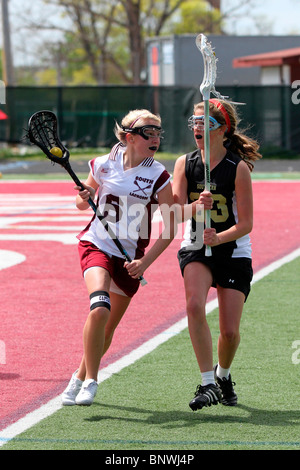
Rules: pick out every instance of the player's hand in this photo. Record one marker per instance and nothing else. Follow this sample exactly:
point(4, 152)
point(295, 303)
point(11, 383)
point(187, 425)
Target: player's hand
point(210, 237)
point(85, 193)
point(206, 199)
point(135, 269)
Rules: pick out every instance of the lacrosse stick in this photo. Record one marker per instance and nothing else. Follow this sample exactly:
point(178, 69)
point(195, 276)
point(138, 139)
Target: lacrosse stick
point(206, 88)
point(42, 131)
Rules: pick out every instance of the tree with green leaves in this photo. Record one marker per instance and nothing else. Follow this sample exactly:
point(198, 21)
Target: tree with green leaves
point(105, 39)
point(109, 35)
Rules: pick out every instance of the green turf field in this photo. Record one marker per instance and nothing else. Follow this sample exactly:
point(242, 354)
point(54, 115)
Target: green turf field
point(145, 406)
point(63, 176)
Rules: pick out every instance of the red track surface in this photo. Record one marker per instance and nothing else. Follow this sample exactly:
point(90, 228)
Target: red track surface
point(44, 302)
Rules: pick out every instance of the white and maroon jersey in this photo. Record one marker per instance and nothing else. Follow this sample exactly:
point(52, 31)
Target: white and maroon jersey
point(127, 199)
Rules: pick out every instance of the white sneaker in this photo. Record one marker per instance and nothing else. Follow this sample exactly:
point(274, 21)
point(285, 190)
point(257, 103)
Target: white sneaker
point(72, 390)
point(87, 393)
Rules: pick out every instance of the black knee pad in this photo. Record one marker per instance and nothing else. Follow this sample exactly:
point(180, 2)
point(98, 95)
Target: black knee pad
point(100, 298)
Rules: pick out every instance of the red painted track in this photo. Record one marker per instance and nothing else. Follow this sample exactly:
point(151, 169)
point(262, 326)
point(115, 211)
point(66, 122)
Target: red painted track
point(44, 302)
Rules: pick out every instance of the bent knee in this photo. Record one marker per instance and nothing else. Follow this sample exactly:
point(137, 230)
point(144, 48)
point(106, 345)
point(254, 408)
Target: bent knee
point(195, 308)
point(99, 315)
point(99, 306)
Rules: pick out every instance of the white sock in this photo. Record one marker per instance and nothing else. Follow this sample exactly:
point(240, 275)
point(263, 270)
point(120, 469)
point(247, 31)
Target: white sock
point(222, 373)
point(208, 377)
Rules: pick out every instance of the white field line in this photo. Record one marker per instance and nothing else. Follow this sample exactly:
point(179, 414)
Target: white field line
point(55, 404)
point(10, 258)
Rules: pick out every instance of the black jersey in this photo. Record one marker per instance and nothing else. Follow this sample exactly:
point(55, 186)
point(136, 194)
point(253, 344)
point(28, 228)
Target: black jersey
point(224, 211)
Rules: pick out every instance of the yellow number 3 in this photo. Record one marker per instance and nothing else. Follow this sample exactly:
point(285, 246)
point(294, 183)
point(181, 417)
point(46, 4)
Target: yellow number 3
point(221, 213)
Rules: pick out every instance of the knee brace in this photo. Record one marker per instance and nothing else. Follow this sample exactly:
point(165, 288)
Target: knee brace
point(100, 298)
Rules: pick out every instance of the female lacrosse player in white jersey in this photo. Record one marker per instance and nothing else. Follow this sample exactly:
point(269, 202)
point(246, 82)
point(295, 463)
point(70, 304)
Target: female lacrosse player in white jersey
point(129, 183)
point(229, 269)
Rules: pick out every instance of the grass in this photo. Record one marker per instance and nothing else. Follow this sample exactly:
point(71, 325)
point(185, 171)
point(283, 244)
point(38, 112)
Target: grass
point(145, 406)
point(62, 176)
point(43, 177)
point(87, 154)
point(33, 154)
point(276, 175)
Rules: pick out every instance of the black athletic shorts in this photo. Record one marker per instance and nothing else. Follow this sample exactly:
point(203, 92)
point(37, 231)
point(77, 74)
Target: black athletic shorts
point(227, 272)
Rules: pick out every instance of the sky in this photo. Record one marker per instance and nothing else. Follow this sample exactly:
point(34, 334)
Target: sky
point(277, 17)
point(281, 17)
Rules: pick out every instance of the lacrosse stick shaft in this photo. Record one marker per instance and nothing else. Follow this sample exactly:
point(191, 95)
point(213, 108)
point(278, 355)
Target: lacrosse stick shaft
point(207, 86)
point(43, 133)
point(207, 166)
point(116, 241)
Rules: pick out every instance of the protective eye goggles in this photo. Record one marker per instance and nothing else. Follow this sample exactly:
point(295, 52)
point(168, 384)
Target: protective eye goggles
point(198, 122)
point(146, 132)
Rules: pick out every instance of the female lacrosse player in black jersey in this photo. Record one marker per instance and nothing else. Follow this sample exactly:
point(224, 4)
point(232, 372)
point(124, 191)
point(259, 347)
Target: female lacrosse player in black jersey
point(229, 269)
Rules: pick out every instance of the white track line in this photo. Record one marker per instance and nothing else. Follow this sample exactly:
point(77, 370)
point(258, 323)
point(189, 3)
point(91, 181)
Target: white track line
point(55, 404)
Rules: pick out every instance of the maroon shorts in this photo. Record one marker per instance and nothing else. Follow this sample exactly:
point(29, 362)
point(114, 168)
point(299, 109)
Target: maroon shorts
point(91, 256)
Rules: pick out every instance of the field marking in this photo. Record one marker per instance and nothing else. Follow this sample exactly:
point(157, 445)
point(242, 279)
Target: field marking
point(64, 238)
point(25, 423)
point(10, 258)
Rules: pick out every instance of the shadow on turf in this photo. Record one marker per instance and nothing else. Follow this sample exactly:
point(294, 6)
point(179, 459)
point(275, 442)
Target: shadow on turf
point(9, 376)
point(188, 418)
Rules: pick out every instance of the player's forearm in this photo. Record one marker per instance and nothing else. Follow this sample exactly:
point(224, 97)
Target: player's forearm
point(185, 211)
point(234, 233)
point(81, 204)
point(83, 196)
point(159, 246)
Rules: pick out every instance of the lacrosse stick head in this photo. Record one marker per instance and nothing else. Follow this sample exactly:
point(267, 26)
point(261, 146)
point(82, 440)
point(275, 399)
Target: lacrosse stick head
point(210, 68)
point(42, 131)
